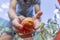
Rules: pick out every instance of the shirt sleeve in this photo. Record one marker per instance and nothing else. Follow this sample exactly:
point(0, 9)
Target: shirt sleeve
point(36, 2)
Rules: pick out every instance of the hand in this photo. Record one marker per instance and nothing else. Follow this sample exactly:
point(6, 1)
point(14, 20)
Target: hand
point(20, 34)
point(38, 15)
point(16, 22)
point(36, 19)
point(36, 22)
point(16, 25)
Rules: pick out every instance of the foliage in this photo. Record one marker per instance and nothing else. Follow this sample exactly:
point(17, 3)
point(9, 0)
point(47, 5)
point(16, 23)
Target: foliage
point(47, 31)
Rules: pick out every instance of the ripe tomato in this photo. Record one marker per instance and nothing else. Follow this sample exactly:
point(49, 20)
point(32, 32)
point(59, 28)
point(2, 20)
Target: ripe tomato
point(57, 37)
point(28, 23)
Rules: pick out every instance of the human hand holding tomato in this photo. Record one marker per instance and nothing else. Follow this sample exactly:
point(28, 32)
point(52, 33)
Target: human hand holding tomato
point(28, 25)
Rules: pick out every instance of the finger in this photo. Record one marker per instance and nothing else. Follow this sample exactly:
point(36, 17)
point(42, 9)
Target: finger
point(38, 15)
point(19, 32)
point(36, 23)
point(21, 18)
point(15, 30)
point(16, 24)
point(25, 35)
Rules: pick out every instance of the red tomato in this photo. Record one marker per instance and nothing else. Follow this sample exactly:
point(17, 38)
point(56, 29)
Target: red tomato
point(57, 37)
point(28, 23)
point(59, 2)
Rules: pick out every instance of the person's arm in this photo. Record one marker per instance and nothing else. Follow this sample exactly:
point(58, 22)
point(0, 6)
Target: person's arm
point(12, 9)
point(37, 8)
point(37, 5)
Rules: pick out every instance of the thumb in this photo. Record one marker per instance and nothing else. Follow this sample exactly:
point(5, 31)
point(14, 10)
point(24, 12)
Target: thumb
point(38, 15)
point(37, 24)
